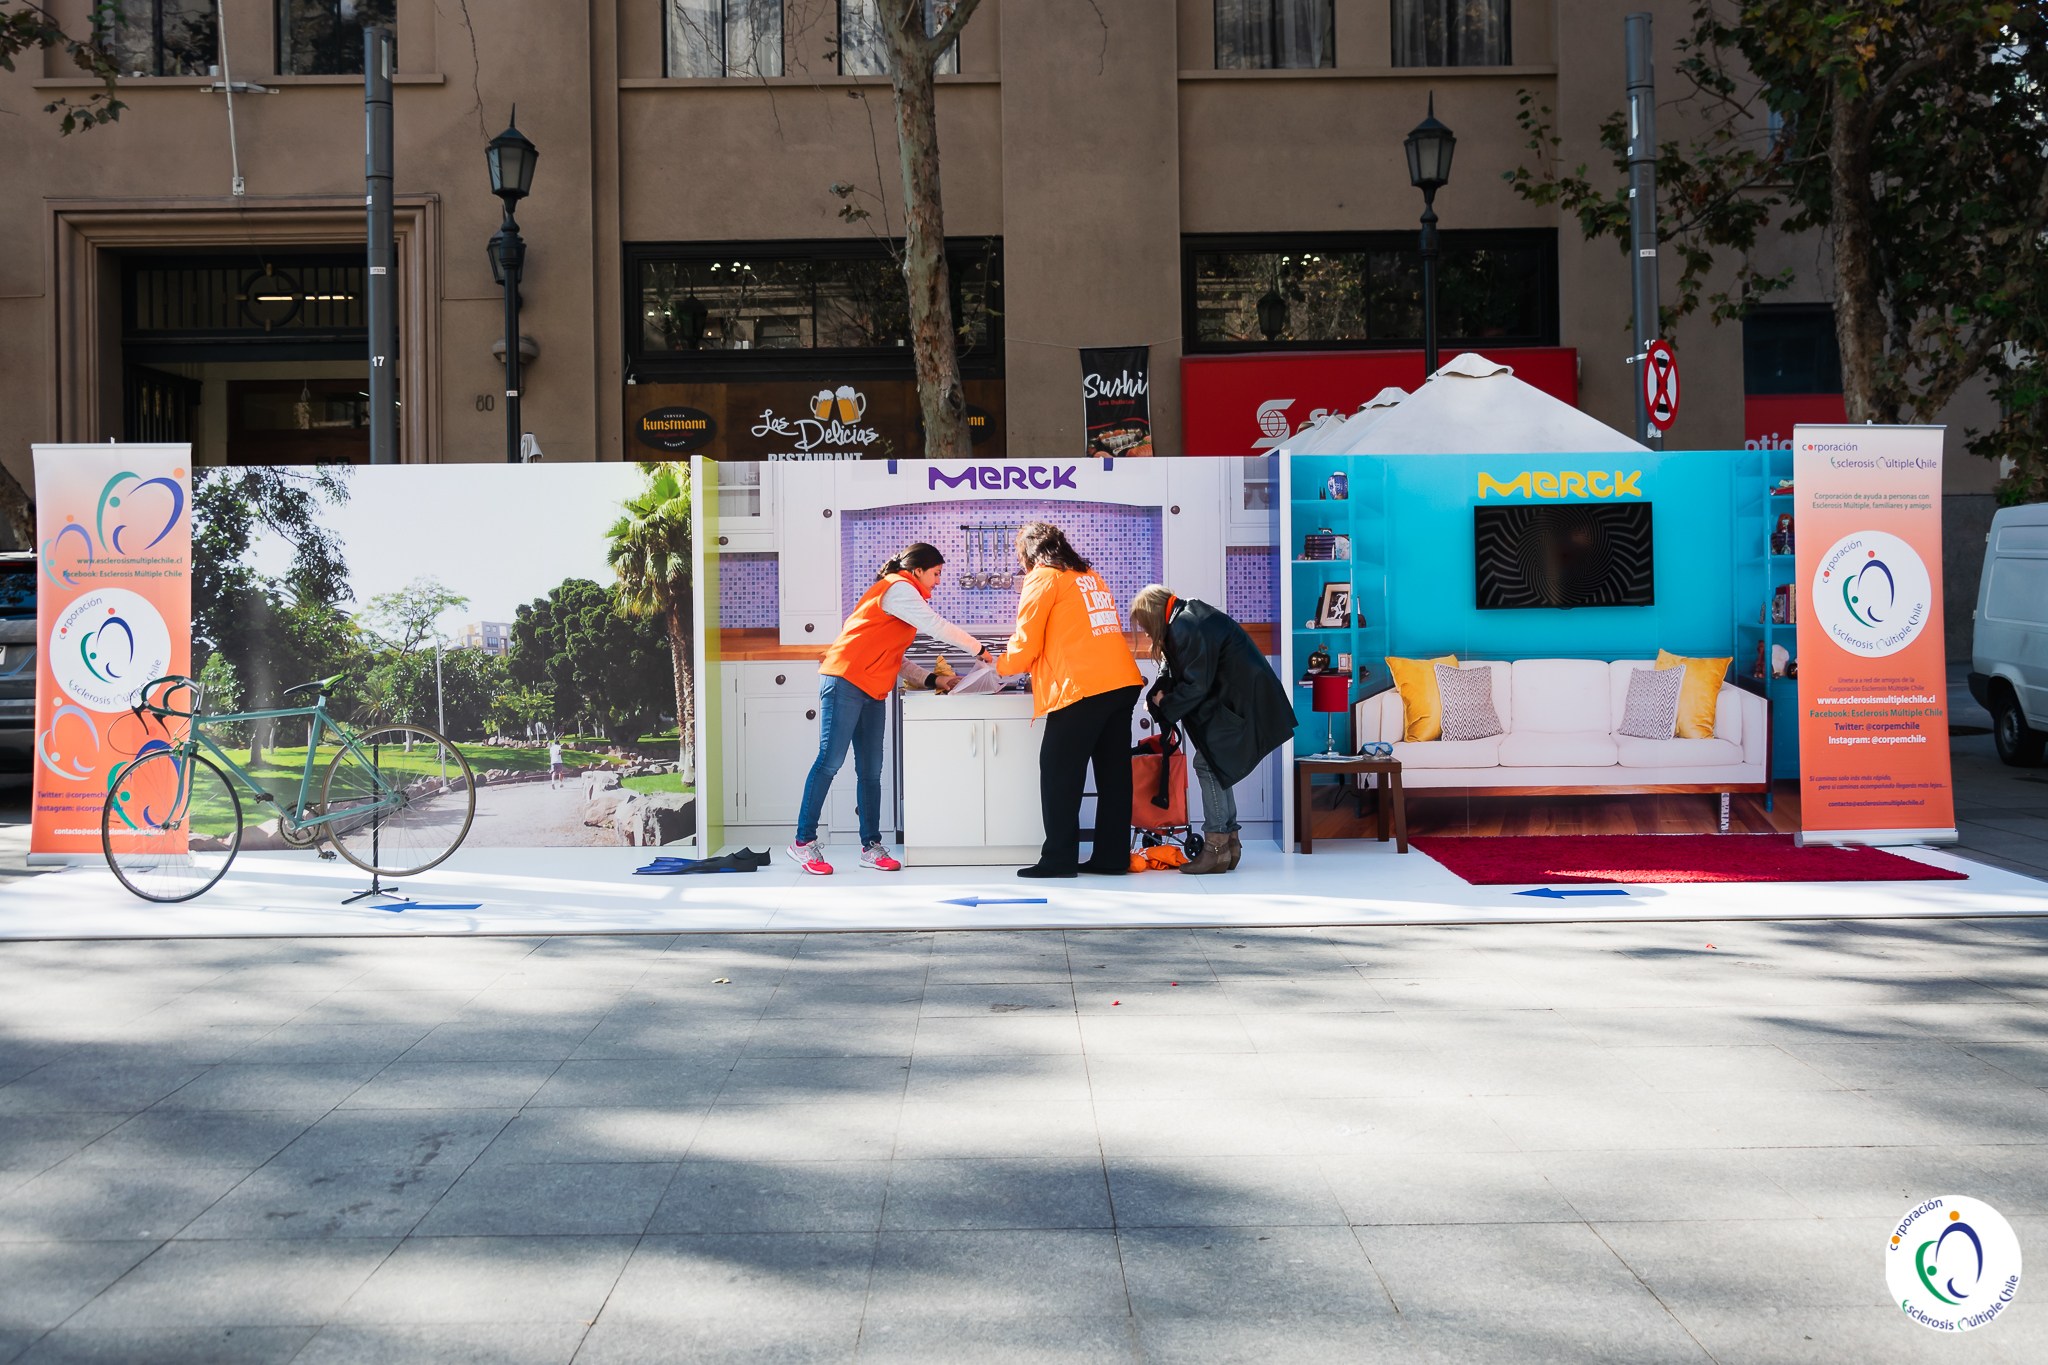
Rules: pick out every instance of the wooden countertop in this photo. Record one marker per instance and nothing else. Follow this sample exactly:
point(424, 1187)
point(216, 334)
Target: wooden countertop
point(764, 646)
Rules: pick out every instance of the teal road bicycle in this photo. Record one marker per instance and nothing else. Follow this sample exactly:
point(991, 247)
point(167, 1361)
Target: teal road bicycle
point(394, 800)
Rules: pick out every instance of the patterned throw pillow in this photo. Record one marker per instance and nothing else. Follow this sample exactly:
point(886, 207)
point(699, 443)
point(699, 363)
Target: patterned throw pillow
point(1651, 711)
point(1467, 695)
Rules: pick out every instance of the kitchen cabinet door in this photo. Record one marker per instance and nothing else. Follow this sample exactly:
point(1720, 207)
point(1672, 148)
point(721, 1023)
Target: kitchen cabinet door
point(1250, 515)
point(1010, 804)
point(731, 755)
point(808, 602)
point(943, 801)
point(746, 507)
point(778, 741)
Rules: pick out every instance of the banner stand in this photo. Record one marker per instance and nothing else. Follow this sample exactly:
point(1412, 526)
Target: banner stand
point(1873, 672)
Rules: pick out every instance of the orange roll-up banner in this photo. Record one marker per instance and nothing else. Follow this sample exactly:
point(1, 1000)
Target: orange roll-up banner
point(1873, 696)
point(113, 611)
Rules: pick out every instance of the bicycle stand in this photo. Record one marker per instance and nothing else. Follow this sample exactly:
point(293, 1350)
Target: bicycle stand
point(376, 886)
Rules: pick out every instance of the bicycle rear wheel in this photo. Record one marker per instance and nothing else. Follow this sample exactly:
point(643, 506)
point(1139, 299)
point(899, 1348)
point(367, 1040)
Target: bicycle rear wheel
point(400, 801)
point(171, 826)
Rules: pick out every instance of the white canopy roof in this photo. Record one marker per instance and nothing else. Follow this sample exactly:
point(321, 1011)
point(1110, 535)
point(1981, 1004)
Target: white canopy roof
point(1476, 406)
point(1334, 434)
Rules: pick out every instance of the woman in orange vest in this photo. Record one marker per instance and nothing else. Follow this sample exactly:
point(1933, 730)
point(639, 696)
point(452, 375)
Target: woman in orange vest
point(854, 682)
point(1070, 639)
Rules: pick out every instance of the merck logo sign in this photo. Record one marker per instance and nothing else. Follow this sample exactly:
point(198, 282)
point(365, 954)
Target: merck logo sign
point(990, 478)
point(1566, 483)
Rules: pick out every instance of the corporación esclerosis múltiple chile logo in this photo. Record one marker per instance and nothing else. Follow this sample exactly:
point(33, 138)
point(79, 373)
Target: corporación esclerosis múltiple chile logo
point(1872, 594)
point(1953, 1264)
point(131, 517)
point(104, 647)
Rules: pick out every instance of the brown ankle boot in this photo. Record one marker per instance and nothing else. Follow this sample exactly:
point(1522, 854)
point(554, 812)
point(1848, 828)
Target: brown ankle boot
point(1214, 857)
point(1236, 852)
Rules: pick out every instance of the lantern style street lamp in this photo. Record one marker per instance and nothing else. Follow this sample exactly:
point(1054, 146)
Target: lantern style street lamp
point(1429, 149)
point(510, 157)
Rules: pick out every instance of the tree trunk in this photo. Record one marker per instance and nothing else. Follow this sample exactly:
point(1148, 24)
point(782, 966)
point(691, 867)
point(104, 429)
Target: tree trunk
point(940, 396)
point(1867, 392)
point(18, 508)
point(686, 691)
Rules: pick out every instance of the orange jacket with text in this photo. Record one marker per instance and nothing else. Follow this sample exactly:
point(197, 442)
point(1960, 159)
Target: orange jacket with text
point(1070, 639)
point(870, 648)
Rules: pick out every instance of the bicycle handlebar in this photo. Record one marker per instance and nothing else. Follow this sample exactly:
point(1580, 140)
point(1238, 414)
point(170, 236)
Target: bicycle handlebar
point(172, 683)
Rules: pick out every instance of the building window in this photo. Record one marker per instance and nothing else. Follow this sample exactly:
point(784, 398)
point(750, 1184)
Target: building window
point(1791, 348)
point(1265, 35)
point(1451, 33)
point(864, 51)
point(1364, 290)
point(773, 306)
point(162, 37)
point(718, 38)
point(325, 37)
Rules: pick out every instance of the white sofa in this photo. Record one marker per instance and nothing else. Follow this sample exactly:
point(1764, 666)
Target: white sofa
point(1559, 718)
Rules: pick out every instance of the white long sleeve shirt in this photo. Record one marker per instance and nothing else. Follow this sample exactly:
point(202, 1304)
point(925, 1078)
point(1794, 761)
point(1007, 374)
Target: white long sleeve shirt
point(909, 606)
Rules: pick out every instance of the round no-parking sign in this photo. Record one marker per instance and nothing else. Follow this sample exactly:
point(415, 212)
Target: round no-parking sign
point(1660, 384)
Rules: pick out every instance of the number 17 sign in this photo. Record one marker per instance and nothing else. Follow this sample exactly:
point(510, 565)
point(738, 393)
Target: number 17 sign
point(1660, 384)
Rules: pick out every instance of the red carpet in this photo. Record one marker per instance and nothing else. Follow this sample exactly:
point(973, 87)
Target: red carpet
point(1539, 859)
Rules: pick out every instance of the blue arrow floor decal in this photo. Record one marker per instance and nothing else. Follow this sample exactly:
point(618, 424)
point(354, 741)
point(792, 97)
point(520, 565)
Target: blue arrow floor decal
point(1555, 894)
point(974, 901)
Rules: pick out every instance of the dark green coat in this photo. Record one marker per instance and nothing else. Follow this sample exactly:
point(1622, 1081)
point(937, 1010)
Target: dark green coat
point(1216, 683)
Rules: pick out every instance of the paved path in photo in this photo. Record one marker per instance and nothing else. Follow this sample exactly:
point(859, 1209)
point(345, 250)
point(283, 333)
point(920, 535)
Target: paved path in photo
point(1615, 1142)
point(535, 815)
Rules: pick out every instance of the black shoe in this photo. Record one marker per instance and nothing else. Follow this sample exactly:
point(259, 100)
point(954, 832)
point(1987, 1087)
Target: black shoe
point(1095, 869)
point(1041, 870)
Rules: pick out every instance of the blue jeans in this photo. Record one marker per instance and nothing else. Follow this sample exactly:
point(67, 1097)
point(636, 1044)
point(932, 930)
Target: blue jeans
point(1219, 803)
point(846, 716)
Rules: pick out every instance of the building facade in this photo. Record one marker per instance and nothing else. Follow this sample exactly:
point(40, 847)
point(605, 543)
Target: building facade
point(1219, 181)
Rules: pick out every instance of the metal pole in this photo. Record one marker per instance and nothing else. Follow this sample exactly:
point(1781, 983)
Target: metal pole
point(1428, 283)
point(383, 311)
point(1642, 202)
point(514, 257)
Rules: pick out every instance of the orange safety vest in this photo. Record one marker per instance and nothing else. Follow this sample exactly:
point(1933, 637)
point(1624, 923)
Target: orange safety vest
point(870, 648)
point(1070, 638)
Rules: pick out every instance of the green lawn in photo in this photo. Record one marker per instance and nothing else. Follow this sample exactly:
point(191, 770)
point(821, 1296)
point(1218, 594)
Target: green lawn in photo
point(656, 782)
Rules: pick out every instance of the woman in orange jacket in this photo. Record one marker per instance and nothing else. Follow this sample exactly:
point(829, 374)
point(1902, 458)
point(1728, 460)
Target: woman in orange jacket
point(1070, 639)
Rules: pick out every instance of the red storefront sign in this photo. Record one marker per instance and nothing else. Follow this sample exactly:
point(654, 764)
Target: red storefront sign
point(1768, 419)
point(1250, 404)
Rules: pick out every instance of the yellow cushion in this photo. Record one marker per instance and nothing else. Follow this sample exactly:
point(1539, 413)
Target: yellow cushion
point(1697, 698)
point(1422, 707)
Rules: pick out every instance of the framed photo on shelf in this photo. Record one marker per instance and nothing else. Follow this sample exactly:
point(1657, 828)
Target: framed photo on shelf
point(1333, 611)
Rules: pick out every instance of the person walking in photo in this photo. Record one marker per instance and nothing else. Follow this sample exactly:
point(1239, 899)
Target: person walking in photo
point(1070, 639)
point(854, 681)
point(557, 770)
point(1214, 680)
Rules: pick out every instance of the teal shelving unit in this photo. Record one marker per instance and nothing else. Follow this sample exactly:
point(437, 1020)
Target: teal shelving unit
point(1362, 516)
point(1758, 575)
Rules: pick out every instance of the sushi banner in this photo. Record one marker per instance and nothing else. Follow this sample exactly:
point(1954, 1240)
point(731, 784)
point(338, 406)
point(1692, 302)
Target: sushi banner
point(1116, 399)
point(113, 611)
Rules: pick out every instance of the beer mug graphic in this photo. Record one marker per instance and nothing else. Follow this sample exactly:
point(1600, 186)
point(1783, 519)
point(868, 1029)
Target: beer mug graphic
point(821, 405)
point(853, 404)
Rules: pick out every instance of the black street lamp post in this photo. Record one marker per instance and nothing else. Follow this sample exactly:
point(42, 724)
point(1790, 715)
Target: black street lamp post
point(1429, 149)
point(511, 159)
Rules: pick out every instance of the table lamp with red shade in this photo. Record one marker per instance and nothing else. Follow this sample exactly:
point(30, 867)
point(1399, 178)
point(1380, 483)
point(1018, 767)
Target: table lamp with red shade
point(1330, 695)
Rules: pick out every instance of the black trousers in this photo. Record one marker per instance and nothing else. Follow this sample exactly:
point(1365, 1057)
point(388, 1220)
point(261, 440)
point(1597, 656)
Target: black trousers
point(1094, 730)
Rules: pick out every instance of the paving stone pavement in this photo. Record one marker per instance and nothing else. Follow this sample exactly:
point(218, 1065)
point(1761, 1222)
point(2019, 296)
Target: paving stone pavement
point(1504, 1143)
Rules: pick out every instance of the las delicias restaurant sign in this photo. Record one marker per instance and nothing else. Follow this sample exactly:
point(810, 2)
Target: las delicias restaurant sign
point(799, 420)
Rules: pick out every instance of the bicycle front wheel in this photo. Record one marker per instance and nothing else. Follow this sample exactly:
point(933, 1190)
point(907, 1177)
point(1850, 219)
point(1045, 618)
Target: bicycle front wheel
point(400, 801)
point(171, 826)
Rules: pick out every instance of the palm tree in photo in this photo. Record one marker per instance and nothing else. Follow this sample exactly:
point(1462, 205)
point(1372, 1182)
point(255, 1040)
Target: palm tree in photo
point(650, 553)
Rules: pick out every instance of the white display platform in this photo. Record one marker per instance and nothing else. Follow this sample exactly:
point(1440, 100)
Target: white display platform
point(583, 891)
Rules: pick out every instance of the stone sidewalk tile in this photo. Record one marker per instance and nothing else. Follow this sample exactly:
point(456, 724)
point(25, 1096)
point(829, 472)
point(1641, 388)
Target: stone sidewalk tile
point(1365, 1074)
point(846, 1130)
point(1632, 1332)
point(1871, 1182)
point(490, 1279)
point(816, 1080)
point(320, 1202)
point(1012, 1034)
point(255, 1284)
point(94, 1086)
point(368, 1044)
point(1834, 1263)
point(551, 1200)
point(176, 1346)
point(1253, 1335)
point(2024, 1062)
point(1164, 1033)
point(595, 1135)
point(720, 1196)
point(303, 1085)
point(1532, 1267)
point(1896, 1063)
point(1132, 1130)
point(469, 1343)
point(734, 1280)
point(35, 1142)
point(950, 1000)
point(411, 1139)
point(232, 1140)
point(977, 1078)
point(1230, 1075)
point(1636, 1121)
point(497, 1041)
point(1362, 1031)
point(1658, 1186)
point(361, 1004)
point(1240, 1191)
point(1106, 1340)
point(1001, 1193)
point(452, 1085)
point(641, 1084)
point(764, 1341)
point(831, 998)
point(1438, 1188)
point(1153, 999)
point(1350, 1127)
point(665, 1035)
point(46, 1282)
point(1026, 1128)
point(1775, 1333)
point(995, 1276)
point(828, 1037)
point(1276, 1271)
point(67, 1203)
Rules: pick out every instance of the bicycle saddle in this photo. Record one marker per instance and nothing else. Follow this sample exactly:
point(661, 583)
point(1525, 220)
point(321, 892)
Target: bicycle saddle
point(319, 687)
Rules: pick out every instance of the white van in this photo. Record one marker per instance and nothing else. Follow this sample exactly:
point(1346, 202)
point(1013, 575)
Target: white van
point(2009, 650)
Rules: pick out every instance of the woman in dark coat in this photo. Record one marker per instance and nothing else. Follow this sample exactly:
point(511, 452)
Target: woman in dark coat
point(1214, 681)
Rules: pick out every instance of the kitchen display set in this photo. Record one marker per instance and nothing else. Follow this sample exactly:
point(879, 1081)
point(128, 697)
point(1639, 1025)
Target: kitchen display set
point(786, 548)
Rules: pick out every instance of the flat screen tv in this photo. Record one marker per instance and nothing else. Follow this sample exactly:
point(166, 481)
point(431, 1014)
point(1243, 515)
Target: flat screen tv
point(1564, 555)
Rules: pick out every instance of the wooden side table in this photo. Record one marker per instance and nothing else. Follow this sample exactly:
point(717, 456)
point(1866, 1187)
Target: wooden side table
point(1386, 774)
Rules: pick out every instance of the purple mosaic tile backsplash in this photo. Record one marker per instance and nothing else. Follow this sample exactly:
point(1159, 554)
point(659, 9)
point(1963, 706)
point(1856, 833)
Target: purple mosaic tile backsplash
point(748, 586)
point(1122, 542)
point(1248, 585)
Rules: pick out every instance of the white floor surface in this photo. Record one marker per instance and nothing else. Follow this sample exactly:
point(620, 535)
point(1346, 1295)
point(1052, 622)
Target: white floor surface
point(573, 891)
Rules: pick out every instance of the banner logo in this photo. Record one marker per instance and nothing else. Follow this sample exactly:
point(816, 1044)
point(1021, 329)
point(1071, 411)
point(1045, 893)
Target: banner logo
point(833, 422)
point(678, 429)
point(1564, 483)
point(1953, 1264)
point(128, 504)
point(106, 646)
point(1872, 594)
point(990, 478)
point(1274, 428)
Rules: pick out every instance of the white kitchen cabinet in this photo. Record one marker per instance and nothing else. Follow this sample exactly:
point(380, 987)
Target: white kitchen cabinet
point(1250, 515)
point(746, 507)
point(970, 794)
point(807, 593)
point(771, 728)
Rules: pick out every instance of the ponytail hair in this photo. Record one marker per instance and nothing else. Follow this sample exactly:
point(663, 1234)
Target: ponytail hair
point(1043, 545)
point(917, 556)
